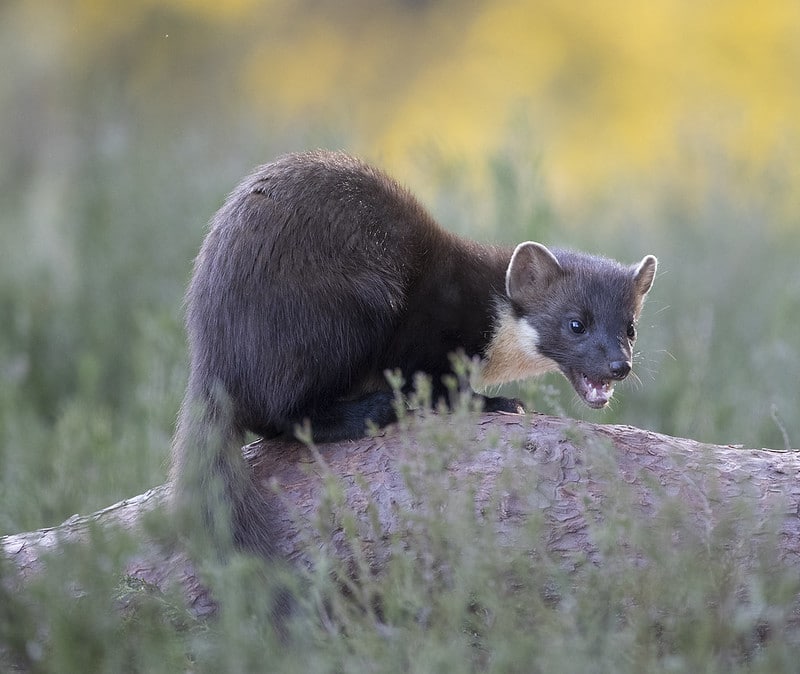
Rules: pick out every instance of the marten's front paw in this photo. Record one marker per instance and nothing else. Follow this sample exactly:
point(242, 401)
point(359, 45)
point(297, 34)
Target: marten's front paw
point(500, 404)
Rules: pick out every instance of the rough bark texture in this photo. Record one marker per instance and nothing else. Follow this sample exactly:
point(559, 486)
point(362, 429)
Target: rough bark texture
point(570, 472)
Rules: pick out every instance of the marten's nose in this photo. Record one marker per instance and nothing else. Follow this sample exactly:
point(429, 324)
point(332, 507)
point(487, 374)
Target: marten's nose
point(619, 368)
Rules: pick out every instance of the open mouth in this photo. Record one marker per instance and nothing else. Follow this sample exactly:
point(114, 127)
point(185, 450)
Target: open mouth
point(594, 392)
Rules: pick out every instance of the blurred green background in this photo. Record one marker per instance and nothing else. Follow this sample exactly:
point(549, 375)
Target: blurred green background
point(667, 127)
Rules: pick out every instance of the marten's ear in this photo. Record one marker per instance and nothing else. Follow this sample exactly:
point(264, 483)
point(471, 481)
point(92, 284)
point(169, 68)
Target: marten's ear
point(532, 268)
point(644, 274)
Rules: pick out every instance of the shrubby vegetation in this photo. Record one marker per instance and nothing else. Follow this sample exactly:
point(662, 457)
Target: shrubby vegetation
point(123, 134)
point(453, 595)
point(96, 355)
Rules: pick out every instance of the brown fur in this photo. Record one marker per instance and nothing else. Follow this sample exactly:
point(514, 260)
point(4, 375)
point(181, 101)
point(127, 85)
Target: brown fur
point(317, 275)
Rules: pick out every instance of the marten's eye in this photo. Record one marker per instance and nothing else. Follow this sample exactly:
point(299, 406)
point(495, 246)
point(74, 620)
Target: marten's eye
point(577, 327)
point(631, 330)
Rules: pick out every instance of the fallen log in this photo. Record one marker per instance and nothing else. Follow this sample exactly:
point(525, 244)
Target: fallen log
point(511, 466)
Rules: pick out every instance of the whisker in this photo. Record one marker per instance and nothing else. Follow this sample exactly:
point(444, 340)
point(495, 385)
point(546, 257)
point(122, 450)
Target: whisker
point(636, 379)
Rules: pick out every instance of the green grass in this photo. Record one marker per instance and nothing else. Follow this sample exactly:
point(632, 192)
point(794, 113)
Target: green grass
point(93, 358)
point(454, 595)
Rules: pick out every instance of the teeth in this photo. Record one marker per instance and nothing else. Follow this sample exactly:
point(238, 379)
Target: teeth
point(597, 392)
point(604, 385)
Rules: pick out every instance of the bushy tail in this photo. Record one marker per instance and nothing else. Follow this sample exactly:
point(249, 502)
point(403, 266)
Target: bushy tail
point(217, 503)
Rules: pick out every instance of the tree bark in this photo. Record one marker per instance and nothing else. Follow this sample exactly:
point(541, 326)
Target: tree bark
point(512, 466)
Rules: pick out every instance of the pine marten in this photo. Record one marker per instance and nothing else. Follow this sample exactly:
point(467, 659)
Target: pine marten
point(320, 273)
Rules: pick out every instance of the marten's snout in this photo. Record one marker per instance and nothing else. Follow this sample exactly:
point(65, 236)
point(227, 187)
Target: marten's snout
point(619, 369)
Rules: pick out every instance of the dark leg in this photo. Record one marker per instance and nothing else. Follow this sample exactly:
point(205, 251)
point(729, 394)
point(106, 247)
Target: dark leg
point(500, 404)
point(490, 404)
point(347, 419)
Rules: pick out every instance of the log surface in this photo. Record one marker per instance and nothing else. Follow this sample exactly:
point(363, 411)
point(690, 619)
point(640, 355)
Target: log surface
point(514, 465)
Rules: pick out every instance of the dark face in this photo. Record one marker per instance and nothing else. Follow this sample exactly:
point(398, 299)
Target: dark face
point(589, 329)
point(584, 311)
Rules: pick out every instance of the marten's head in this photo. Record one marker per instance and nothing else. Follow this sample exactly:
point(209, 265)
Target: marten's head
point(576, 313)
